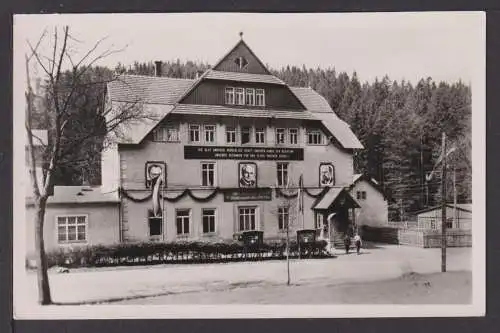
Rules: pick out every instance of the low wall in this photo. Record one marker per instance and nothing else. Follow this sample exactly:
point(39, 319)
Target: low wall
point(425, 238)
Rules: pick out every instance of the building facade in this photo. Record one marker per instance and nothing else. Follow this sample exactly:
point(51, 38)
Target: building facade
point(234, 150)
point(457, 217)
point(373, 210)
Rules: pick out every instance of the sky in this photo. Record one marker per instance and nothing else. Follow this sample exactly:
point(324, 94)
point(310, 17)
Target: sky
point(407, 46)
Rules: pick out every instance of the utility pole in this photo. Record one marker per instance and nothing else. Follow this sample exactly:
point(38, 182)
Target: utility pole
point(455, 217)
point(443, 207)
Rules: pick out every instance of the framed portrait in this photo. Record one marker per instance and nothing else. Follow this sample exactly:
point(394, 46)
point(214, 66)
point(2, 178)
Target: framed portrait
point(326, 175)
point(247, 175)
point(153, 170)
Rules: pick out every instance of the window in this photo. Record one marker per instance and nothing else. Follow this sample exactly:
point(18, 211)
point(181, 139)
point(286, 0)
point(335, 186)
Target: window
point(318, 220)
point(449, 222)
point(314, 137)
point(280, 135)
point(209, 133)
point(260, 135)
point(208, 174)
point(245, 135)
point(240, 96)
point(166, 134)
point(183, 219)
point(208, 220)
point(71, 229)
point(155, 224)
point(283, 218)
point(241, 62)
point(247, 218)
point(293, 134)
point(229, 95)
point(259, 97)
point(361, 195)
point(231, 134)
point(250, 96)
point(194, 133)
point(282, 170)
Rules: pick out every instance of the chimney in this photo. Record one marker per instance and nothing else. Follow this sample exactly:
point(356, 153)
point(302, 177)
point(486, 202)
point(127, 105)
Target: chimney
point(158, 68)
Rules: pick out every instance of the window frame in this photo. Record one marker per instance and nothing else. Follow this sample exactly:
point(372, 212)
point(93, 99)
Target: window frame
point(234, 131)
point(190, 130)
point(255, 215)
point(249, 134)
point(250, 92)
point(256, 132)
point(259, 92)
point(76, 241)
point(189, 216)
point(283, 217)
point(214, 132)
point(159, 236)
point(312, 132)
point(280, 172)
point(290, 141)
point(239, 96)
point(276, 136)
point(164, 137)
point(202, 220)
point(202, 164)
point(229, 92)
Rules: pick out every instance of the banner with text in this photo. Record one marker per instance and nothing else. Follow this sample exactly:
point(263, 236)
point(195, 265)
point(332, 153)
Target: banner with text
point(244, 153)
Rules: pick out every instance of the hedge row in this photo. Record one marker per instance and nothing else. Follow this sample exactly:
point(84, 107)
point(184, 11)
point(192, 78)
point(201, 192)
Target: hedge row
point(176, 252)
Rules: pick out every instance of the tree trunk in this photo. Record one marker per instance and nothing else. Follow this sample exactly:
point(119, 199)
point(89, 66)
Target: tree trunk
point(41, 258)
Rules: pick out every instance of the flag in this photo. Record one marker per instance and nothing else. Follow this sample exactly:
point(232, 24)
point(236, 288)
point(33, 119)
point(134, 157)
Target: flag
point(299, 194)
point(156, 195)
point(429, 176)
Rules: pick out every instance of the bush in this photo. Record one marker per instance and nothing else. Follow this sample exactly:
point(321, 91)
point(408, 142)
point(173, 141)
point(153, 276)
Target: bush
point(157, 253)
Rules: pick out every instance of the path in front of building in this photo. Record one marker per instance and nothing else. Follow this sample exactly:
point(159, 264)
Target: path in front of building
point(378, 263)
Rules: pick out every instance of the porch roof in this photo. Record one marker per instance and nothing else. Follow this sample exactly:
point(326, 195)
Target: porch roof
point(332, 195)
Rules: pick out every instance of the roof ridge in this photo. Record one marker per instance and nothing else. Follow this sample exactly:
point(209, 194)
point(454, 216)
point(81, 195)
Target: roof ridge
point(156, 77)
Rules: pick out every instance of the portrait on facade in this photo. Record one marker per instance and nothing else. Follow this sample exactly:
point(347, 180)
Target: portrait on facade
point(155, 171)
point(326, 174)
point(247, 175)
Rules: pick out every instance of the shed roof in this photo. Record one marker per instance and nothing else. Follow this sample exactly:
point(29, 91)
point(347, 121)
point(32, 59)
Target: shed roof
point(467, 207)
point(242, 77)
point(219, 110)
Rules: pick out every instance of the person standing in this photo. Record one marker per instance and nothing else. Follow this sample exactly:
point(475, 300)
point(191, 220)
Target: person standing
point(357, 241)
point(347, 243)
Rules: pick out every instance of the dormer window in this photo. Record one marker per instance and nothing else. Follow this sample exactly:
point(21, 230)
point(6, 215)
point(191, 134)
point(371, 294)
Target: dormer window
point(241, 62)
point(229, 95)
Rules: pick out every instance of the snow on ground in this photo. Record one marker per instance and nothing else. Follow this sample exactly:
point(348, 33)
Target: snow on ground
point(379, 263)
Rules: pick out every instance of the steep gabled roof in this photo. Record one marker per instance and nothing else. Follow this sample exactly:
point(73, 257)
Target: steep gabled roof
point(360, 177)
point(241, 43)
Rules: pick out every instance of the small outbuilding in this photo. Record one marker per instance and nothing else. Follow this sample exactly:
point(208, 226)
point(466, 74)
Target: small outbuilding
point(457, 217)
point(373, 203)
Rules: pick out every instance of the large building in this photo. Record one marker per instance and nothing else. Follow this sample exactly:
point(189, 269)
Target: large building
point(234, 150)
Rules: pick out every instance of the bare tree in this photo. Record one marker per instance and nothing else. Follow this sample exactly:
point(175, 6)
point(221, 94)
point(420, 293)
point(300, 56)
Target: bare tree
point(62, 74)
point(289, 216)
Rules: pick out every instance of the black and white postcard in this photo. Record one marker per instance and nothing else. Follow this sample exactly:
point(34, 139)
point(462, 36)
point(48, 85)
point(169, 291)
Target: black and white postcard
point(249, 165)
